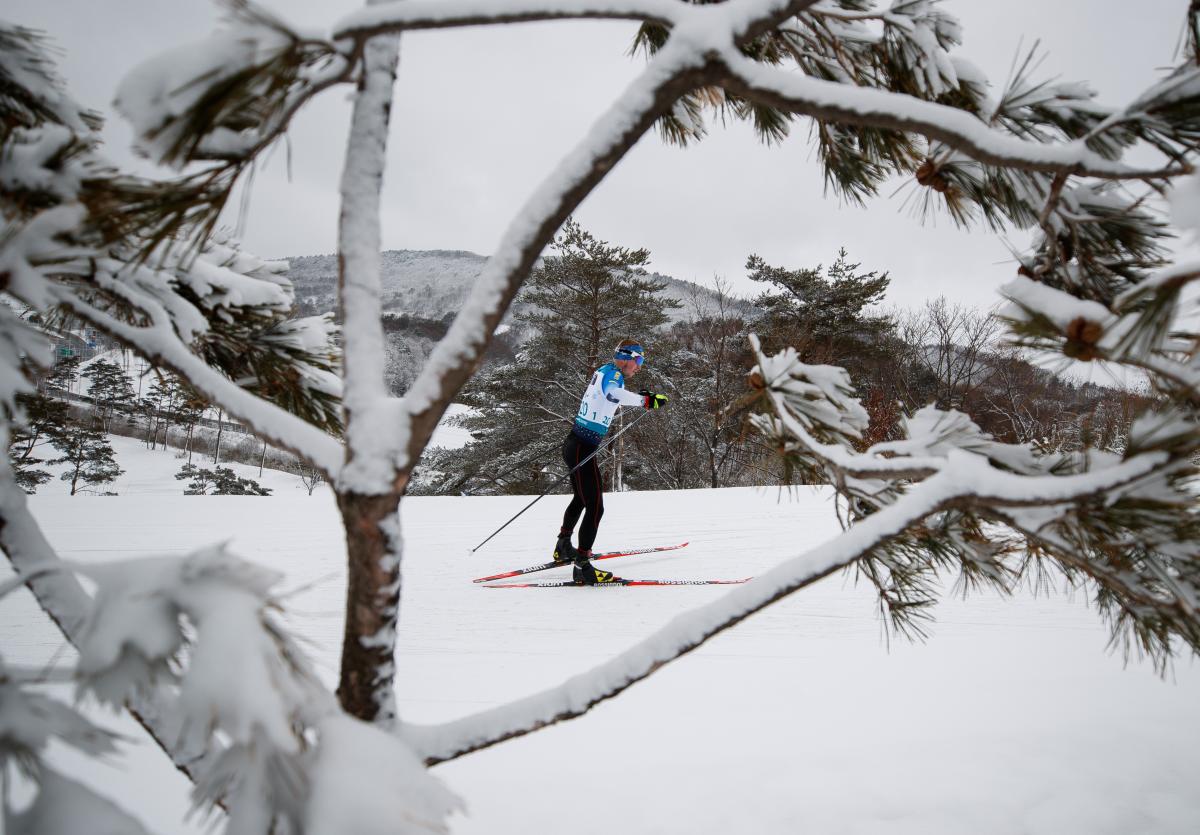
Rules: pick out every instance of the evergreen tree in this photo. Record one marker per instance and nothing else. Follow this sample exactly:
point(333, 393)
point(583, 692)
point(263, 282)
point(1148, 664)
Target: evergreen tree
point(699, 441)
point(579, 304)
point(589, 296)
point(220, 481)
point(89, 456)
point(189, 408)
point(111, 393)
point(45, 419)
point(167, 403)
point(823, 313)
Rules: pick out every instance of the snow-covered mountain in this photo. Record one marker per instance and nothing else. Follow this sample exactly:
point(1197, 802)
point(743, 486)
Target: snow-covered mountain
point(431, 284)
point(422, 291)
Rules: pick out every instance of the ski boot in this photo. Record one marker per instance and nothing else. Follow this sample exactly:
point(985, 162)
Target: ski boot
point(586, 574)
point(564, 552)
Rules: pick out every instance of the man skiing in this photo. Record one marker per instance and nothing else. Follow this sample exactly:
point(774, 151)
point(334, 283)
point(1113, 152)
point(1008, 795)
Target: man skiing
point(604, 395)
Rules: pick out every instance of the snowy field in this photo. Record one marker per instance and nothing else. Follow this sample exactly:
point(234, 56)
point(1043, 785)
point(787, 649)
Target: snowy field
point(1012, 718)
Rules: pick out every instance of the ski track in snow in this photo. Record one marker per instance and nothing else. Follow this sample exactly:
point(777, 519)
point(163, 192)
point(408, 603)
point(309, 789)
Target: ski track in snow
point(1012, 718)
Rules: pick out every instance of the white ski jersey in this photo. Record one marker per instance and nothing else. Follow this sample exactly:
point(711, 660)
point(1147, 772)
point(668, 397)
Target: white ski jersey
point(604, 395)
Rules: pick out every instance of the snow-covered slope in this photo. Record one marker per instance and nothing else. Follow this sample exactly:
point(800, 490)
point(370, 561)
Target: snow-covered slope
point(1013, 718)
point(428, 283)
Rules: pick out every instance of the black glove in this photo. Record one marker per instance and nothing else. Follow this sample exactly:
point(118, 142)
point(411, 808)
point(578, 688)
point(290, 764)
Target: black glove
point(652, 400)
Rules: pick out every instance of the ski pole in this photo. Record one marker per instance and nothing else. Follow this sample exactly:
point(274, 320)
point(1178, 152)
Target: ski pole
point(607, 443)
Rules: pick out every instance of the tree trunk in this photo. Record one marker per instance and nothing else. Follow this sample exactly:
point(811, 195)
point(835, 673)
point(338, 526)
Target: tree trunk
point(372, 604)
point(263, 461)
point(220, 429)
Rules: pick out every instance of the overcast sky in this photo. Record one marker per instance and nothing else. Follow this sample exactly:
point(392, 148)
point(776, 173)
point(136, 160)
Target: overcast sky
point(483, 115)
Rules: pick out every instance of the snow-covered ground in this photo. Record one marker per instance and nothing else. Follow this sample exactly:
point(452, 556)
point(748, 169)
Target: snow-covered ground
point(1012, 718)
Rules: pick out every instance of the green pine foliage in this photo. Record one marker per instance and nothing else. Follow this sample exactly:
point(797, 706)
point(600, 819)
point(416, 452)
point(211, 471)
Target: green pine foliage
point(43, 419)
point(219, 481)
point(581, 301)
point(110, 391)
point(830, 315)
point(137, 240)
point(91, 462)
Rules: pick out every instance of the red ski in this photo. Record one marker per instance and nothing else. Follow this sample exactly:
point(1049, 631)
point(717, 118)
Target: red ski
point(607, 555)
point(559, 584)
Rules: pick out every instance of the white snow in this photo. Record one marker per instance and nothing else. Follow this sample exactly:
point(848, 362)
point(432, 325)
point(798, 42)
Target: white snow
point(1013, 718)
point(164, 86)
point(1059, 307)
point(394, 794)
point(1184, 199)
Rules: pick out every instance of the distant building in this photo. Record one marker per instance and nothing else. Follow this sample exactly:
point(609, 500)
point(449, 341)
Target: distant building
point(84, 343)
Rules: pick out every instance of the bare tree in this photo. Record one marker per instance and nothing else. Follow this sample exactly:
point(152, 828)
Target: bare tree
point(956, 344)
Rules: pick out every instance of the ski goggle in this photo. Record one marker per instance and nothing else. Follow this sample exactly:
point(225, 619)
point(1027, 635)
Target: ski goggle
point(631, 352)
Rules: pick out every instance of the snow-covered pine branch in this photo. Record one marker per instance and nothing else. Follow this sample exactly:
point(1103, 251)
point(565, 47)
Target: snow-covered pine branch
point(369, 467)
point(865, 107)
point(407, 15)
point(82, 237)
point(65, 601)
point(289, 760)
point(160, 344)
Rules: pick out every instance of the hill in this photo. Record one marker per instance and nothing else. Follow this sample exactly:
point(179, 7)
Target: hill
point(422, 292)
point(428, 284)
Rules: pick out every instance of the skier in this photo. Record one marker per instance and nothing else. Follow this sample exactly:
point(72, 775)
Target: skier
point(603, 396)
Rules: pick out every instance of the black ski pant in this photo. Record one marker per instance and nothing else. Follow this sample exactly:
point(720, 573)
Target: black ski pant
point(588, 497)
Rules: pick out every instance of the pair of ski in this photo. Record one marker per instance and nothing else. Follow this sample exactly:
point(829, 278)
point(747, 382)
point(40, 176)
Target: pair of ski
point(608, 555)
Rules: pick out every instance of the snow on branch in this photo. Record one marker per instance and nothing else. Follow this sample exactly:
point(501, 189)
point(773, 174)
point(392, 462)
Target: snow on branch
point(78, 234)
point(1127, 521)
point(269, 743)
point(63, 599)
point(437, 14)
point(228, 96)
point(359, 288)
point(863, 106)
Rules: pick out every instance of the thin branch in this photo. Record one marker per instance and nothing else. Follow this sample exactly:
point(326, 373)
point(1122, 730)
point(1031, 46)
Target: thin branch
point(409, 15)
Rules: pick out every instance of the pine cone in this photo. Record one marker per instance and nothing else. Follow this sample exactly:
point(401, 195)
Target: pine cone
point(929, 175)
point(1082, 336)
